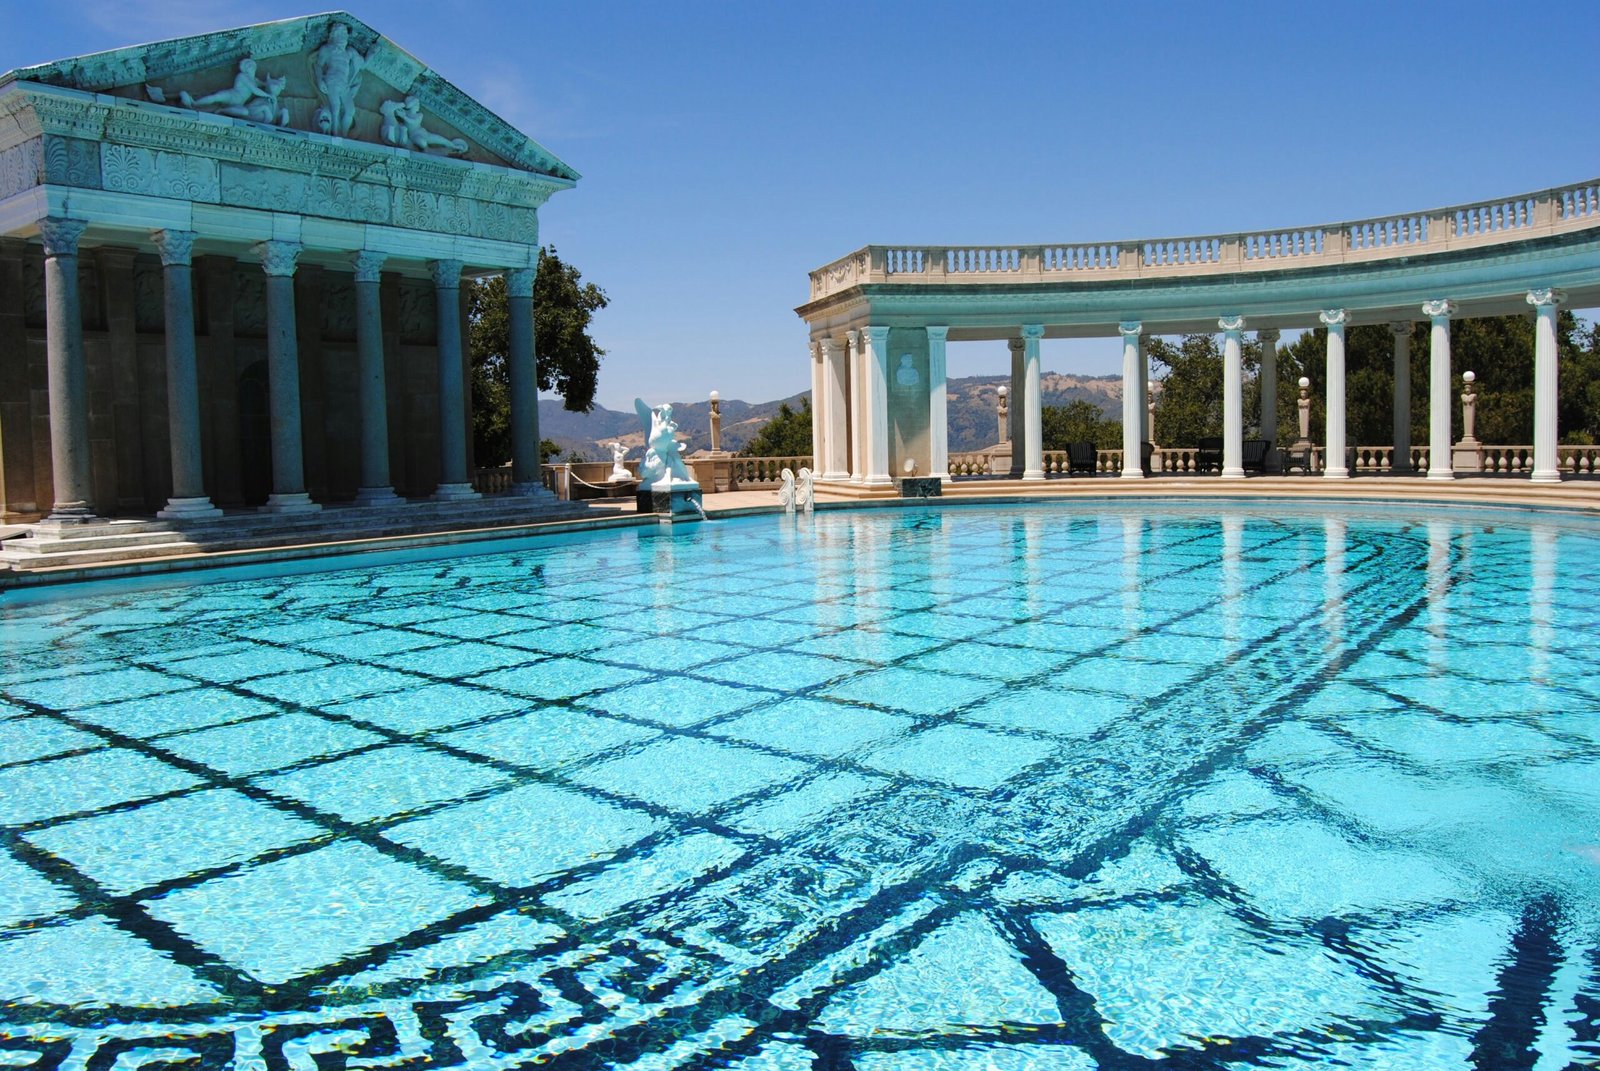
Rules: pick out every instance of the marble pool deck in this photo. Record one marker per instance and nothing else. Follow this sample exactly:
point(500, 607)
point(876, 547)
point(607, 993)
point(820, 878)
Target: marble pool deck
point(1579, 495)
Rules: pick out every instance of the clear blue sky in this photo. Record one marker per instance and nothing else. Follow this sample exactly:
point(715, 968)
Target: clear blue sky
point(729, 148)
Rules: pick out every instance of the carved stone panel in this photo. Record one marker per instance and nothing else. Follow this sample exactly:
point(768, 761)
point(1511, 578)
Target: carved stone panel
point(249, 186)
point(339, 308)
point(250, 301)
point(21, 168)
point(418, 316)
point(126, 169)
point(72, 162)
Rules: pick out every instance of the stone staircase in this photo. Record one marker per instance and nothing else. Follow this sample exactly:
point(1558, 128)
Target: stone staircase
point(135, 540)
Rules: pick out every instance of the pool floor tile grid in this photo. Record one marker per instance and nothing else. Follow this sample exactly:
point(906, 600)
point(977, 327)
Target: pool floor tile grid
point(920, 802)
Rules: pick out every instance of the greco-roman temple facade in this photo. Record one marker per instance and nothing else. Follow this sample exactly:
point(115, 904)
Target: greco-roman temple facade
point(231, 276)
point(881, 317)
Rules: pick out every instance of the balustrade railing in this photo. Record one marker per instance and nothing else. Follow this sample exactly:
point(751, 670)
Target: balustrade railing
point(1555, 210)
point(758, 473)
point(970, 464)
point(1578, 460)
point(491, 481)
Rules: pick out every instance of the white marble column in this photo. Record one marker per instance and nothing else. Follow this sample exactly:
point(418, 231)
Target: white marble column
point(1145, 434)
point(938, 405)
point(1032, 404)
point(1267, 416)
point(1232, 397)
point(1401, 329)
point(188, 500)
point(1132, 398)
point(1335, 465)
point(278, 261)
point(1014, 433)
point(455, 482)
point(522, 368)
point(1546, 466)
point(819, 410)
point(375, 489)
point(875, 371)
point(66, 375)
point(1439, 400)
point(858, 410)
point(835, 382)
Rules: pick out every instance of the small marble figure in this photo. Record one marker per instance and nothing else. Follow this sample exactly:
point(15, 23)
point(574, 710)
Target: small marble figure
point(805, 490)
point(662, 468)
point(248, 97)
point(402, 126)
point(336, 70)
point(619, 471)
point(786, 490)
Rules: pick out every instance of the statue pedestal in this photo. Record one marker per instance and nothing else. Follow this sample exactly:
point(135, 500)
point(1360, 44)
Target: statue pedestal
point(1467, 456)
point(681, 503)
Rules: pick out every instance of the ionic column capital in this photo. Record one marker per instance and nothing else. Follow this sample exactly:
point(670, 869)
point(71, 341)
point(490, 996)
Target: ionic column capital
point(519, 282)
point(1439, 309)
point(1334, 317)
point(1130, 329)
point(1400, 327)
point(1546, 296)
point(60, 236)
point(878, 335)
point(1034, 331)
point(1268, 334)
point(830, 346)
point(446, 274)
point(279, 258)
point(176, 247)
point(1231, 324)
point(1014, 345)
point(938, 334)
point(369, 265)
point(852, 339)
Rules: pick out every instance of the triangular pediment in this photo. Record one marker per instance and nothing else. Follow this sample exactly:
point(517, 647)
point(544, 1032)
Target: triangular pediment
point(368, 89)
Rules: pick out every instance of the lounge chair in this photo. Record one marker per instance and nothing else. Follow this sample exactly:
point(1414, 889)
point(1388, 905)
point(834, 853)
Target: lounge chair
point(1208, 453)
point(1254, 458)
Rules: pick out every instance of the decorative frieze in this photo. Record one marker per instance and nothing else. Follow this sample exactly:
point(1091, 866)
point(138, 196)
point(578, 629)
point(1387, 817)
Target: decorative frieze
point(125, 169)
point(72, 162)
point(21, 167)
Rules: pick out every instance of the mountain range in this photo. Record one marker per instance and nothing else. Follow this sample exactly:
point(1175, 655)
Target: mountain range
point(973, 416)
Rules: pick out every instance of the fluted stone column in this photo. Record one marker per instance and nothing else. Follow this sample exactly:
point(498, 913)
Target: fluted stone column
point(819, 409)
point(1014, 415)
point(1232, 397)
point(858, 410)
point(67, 375)
point(455, 482)
point(1267, 419)
point(1546, 466)
point(376, 488)
point(938, 405)
point(1335, 466)
point(835, 382)
point(875, 357)
point(1144, 393)
point(278, 261)
point(189, 500)
point(1401, 329)
point(1439, 400)
point(1032, 404)
point(1132, 399)
point(522, 367)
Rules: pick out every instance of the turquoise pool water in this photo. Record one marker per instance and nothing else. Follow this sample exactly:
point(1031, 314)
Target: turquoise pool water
point(1055, 788)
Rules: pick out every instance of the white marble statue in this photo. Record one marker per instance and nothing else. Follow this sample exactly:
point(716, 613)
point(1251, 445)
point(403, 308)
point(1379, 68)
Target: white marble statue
point(619, 471)
point(248, 98)
point(805, 490)
point(786, 490)
point(402, 126)
point(662, 468)
point(336, 70)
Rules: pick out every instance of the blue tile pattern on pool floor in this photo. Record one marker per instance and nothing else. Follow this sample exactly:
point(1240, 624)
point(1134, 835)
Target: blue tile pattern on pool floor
point(1112, 788)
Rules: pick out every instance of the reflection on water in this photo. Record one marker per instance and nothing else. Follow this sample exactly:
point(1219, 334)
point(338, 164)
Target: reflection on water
point(1043, 788)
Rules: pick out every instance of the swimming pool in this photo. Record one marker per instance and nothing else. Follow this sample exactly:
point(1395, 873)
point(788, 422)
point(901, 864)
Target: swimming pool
point(1047, 787)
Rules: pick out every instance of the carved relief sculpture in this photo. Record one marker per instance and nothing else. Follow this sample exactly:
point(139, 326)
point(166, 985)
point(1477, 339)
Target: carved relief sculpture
point(336, 70)
point(248, 98)
point(402, 126)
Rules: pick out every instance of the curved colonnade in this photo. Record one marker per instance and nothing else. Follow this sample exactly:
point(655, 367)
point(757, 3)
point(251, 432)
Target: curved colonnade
point(881, 318)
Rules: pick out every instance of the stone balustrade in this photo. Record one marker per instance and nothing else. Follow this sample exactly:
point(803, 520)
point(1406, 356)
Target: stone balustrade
point(1546, 212)
point(759, 473)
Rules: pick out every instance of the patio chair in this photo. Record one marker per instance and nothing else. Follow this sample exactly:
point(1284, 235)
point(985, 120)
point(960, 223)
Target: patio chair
point(1254, 457)
point(1208, 453)
point(1081, 458)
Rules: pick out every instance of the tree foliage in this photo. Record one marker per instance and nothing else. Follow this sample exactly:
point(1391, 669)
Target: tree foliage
point(569, 360)
point(788, 434)
point(1079, 421)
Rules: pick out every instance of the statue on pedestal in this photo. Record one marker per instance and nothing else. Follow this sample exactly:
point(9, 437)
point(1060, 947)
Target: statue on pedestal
point(662, 468)
point(619, 471)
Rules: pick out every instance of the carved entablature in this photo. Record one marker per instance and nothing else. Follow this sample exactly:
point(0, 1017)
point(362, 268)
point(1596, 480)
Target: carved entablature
point(319, 116)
